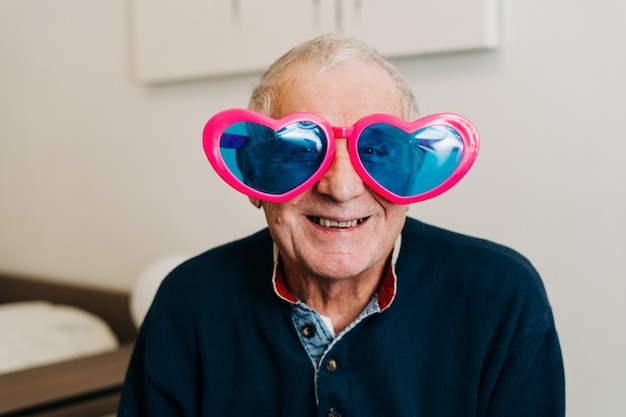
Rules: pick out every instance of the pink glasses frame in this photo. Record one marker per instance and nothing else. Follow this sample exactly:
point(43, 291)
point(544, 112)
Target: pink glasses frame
point(216, 126)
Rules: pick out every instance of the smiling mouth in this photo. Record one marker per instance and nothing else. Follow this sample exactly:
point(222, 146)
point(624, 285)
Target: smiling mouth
point(337, 224)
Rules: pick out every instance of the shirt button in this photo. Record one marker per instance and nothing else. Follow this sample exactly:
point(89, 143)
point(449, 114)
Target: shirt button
point(334, 413)
point(308, 331)
point(331, 365)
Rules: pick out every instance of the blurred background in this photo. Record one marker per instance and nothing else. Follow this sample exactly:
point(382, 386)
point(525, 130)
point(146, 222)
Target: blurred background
point(102, 170)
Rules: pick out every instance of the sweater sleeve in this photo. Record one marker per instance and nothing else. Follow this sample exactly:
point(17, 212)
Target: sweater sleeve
point(522, 368)
point(529, 378)
point(160, 377)
point(141, 397)
point(531, 381)
point(526, 375)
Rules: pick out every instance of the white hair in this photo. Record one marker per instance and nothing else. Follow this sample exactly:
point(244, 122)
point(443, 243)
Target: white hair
point(327, 51)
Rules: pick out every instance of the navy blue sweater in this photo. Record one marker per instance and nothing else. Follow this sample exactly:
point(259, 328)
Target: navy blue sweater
point(470, 333)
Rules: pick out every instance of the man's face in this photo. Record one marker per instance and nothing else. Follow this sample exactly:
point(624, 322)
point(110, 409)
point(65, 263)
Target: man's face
point(339, 228)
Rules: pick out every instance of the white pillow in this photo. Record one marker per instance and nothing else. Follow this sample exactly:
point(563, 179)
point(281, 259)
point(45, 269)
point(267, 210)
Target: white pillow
point(35, 333)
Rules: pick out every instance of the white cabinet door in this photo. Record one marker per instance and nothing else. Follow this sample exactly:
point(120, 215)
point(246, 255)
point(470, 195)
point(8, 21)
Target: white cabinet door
point(412, 27)
point(178, 39)
point(181, 39)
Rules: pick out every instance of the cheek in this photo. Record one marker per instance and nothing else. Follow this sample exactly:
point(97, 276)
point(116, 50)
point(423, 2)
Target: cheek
point(272, 213)
point(393, 212)
point(397, 214)
point(395, 217)
point(280, 214)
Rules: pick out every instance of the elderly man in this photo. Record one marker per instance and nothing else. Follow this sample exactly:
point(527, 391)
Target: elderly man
point(343, 306)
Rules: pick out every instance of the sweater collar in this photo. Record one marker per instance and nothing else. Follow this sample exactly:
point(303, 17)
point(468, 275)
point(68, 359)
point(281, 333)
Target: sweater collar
point(386, 291)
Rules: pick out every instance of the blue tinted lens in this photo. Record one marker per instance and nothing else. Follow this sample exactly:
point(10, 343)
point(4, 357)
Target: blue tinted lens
point(273, 162)
point(409, 164)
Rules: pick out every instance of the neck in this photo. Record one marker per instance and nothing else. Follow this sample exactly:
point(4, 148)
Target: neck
point(340, 299)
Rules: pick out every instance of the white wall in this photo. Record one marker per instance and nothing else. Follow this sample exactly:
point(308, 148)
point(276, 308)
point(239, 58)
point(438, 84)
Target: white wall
point(99, 176)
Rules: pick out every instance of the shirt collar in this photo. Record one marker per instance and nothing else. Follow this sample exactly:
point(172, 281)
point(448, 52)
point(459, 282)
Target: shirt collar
point(386, 291)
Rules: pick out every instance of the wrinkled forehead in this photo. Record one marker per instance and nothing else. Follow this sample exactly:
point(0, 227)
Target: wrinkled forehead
point(342, 94)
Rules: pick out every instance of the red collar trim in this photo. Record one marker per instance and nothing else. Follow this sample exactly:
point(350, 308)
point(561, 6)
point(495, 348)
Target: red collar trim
point(280, 287)
point(388, 288)
point(278, 281)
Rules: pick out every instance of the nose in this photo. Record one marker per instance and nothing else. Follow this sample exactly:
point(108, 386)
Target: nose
point(341, 182)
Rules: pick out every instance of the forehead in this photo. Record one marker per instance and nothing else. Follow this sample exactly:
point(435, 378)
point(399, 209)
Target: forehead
point(342, 94)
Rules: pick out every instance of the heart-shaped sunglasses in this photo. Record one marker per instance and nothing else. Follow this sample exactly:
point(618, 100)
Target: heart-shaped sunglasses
point(276, 160)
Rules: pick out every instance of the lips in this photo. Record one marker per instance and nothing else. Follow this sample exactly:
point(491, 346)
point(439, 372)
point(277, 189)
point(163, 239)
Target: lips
point(338, 224)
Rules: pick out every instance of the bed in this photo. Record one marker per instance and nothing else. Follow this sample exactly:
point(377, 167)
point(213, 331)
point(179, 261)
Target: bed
point(81, 386)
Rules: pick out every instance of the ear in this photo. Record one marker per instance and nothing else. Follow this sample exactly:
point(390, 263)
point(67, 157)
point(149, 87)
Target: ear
point(255, 202)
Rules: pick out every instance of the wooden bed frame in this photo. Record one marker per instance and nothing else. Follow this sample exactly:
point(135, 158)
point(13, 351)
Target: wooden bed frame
point(85, 387)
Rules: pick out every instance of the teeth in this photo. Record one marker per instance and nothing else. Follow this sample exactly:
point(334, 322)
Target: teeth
point(338, 224)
